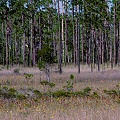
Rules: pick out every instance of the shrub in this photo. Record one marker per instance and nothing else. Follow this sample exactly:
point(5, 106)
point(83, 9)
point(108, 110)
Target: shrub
point(62, 93)
point(21, 97)
point(44, 83)
point(38, 93)
point(79, 93)
point(17, 70)
point(87, 91)
point(95, 95)
point(71, 76)
point(28, 76)
point(70, 84)
point(111, 92)
point(8, 93)
point(51, 85)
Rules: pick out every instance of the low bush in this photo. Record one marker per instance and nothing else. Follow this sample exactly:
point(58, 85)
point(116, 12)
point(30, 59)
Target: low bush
point(17, 70)
point(38, 93)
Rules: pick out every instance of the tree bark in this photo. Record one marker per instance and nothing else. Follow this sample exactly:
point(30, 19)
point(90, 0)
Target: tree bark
point(60, 43)
point(115, 34)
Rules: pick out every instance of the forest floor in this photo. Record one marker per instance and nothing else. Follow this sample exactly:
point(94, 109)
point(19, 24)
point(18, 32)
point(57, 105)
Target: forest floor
point(62, 108)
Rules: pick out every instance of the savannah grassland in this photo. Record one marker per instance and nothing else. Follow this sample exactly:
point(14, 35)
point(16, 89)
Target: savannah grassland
point(104, 107)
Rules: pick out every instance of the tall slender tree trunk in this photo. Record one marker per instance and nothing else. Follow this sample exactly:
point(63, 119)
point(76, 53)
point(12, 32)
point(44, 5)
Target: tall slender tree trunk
point(78, 38)
point(119, 43)
point(15, 49)
point(29, 46)
point(31, 37)
point(103, 51)
point(67, 56)
point(40, 33)
point(111, 51)
point(54, 33)
point(82, 44)
point(63, 41)
point(34, 38)
point(92, 48)
point(7, 47)
point(3, 37)
point(24, 39)
point(31, 41)
point(115, 34)
point(98, 50)
point(74, 37)
point(60, 42)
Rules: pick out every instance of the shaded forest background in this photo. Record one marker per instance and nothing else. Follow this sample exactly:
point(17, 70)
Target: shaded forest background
point(60, 31)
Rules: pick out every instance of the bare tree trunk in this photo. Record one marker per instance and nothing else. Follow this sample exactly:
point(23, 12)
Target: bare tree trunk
point(115, 34)
point(60, 43)
point(92, 48)
point(55, 34)
point(29, 58)
point(111, 52)
point(3, 37)
point(31, 37)
point(89, 50)
point(78, 38)
point(103, 51)
point(67, 56)
point(15, 50)
point(24, 39)
point(40, 39)
point(74, 38)
point(119, 43)
point(98, 50)
point(34, 49)
point(63, 41)
point(82, 44)
point(7, 47)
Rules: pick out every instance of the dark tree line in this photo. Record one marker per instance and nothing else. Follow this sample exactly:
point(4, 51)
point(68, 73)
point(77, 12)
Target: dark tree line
point(60, 31)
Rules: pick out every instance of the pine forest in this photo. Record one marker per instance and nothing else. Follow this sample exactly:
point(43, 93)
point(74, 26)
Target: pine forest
point(59, 59)
point(60, 31)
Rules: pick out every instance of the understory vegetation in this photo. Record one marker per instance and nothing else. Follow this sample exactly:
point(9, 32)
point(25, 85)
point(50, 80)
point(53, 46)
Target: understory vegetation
point(25, 96)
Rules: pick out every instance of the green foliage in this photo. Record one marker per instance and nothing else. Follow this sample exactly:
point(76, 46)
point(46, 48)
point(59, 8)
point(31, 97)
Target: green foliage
point(79, 93)
point(12, 93)
point(95, 95)
point(5, 88)
point(46, 54)
point(41, 64)
point(21, 97)
point(70, 84)
point(28, 76)
point(62, 93)
point(38, 93)
point(12, 90)
point(118, 101)
point(44, 83)
point(51, 85)
point(71, 76)
point(115, 91)
point(8, 93)
point(111, 92)
point(87, 91)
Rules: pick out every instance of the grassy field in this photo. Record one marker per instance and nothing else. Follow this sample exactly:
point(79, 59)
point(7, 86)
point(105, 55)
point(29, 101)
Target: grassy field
point(104, 107)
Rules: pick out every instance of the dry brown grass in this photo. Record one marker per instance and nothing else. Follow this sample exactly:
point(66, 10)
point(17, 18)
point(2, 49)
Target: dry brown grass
point(62, 108)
